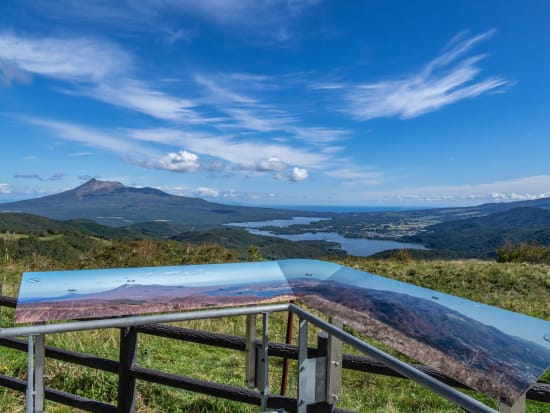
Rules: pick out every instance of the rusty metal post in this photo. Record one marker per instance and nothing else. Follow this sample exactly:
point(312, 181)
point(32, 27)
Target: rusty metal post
point(288, 340)
point(250, 365)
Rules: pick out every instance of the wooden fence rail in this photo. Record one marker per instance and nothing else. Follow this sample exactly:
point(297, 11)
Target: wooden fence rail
point(128, 372)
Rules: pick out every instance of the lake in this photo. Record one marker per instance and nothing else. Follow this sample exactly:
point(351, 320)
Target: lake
point(360, 247)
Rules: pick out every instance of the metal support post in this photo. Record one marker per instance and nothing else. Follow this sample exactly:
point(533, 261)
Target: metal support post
point(263, 362)
point(334, 366)
point(30, 375)
point(39, 361)
point(312, 373)
point(518, 407)
point(303, 389)
point(250, 379)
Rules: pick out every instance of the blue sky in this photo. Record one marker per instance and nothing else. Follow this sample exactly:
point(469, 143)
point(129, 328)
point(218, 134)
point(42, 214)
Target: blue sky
point(277, 102)
point(57, 283)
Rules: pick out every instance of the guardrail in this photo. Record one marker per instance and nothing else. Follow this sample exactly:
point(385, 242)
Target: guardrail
point(318, 376)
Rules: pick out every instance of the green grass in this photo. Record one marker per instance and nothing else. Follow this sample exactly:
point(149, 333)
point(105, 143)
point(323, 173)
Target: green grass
point(8, 236)
point(515, 286)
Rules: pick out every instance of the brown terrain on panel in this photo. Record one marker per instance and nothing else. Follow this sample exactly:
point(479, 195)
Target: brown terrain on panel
point(81, 309)
point(498, 388)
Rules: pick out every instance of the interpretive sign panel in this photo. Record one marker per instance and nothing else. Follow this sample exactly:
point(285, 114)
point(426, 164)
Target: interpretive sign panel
point(498, 352)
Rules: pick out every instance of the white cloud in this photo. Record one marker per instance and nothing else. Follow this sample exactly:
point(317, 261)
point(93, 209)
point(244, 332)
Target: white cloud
point(298, 174)
point(138, 96)
point(532, 187)
point(244, 153)
point(55, 177)
point(266, 19)
point(500, 197)
point(447, 79)
point(320, 135)
point(80, 154)
point(204, 191)
point(220, 93)
point(5, 189)
point(91, 137)
point(369, 177)
point(71, 59)
point(93, 68)
point(181, 161)
point(260, 120)
point(271, 164)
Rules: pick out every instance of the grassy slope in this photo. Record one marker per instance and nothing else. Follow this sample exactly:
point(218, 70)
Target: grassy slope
point(518, 287)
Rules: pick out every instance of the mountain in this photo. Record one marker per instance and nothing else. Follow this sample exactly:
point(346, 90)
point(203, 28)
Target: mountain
point(113, 204)
point(481, 236)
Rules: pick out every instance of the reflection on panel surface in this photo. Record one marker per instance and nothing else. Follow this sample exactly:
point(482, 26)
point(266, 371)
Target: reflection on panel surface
point(498, 352)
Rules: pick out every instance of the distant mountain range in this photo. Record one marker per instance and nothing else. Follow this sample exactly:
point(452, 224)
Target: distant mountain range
point(113, 204)
point(480, 236)
point(112, 210)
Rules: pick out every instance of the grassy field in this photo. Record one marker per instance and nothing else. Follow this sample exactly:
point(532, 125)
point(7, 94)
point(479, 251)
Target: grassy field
point(519, 287)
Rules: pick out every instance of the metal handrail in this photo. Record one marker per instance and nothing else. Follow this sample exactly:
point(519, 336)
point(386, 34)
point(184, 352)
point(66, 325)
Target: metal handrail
point(447, 392)
point(138, 320)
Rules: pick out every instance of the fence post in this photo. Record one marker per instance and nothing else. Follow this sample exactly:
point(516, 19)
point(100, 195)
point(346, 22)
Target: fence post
point(127, 359)
point(39, 361)
point(263, 362)
point(30, 375)
point(312, 374)
point(334, 366)
point(250, 367)
point(518, 407)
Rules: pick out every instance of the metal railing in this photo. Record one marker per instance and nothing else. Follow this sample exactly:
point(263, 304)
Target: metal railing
point(318, 375)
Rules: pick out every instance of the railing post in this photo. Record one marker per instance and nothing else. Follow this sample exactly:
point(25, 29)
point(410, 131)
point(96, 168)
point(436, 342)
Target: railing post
point(334, 366)
point(518, 407)
point(127, 359)
point(39, 361)
point(250, 378)
point(36, 350)
point(30, 375)
point(313, 373)
point(262, 377)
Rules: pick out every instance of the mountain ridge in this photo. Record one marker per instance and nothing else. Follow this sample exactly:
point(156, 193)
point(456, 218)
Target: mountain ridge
point(114, 204)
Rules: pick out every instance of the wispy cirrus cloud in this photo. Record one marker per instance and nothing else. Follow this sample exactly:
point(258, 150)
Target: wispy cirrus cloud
point(356, 176)
point(268, 20)
point(70, 59)
point(94, 68)
point(448, 78)
point(55, 177)
point(234, 94)
point(106, 140)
